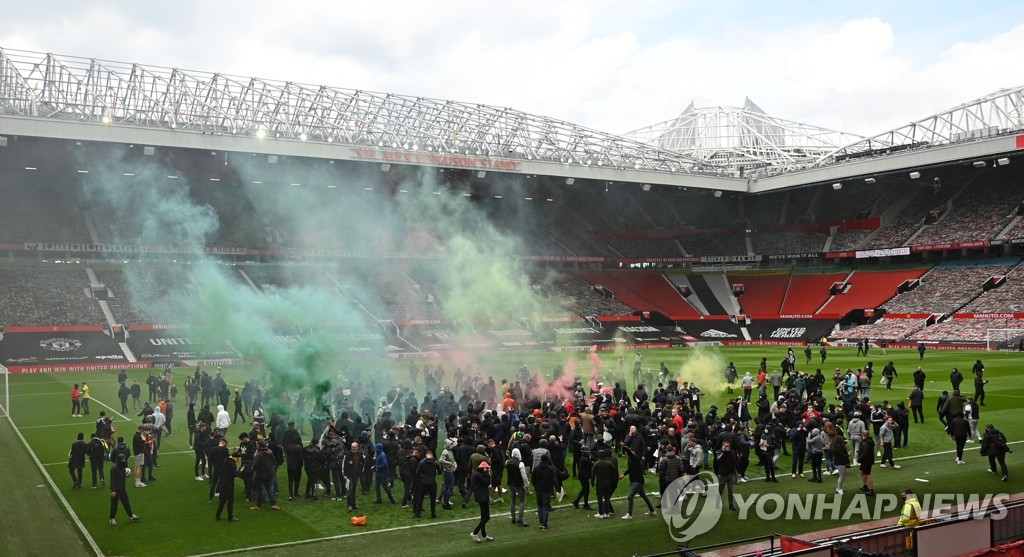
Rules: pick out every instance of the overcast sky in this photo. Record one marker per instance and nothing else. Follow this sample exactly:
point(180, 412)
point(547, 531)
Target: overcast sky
point(859, 66)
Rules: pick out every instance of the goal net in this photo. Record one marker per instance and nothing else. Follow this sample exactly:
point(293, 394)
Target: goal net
point(1003, 339)
point(5, 393)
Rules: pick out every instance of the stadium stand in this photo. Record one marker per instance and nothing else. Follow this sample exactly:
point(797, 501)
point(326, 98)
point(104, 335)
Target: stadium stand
point(703, 295)
point(947, 287)
point(808, 291)
point(799, 204)
point(145, 295)
point(1008, 298)
point(47, 211)
point(980, 212)
point(764, 291)
point(885, 328)
point(907, 222)
point(1015, 231)
point(643, 291)
point(849, 202)
point(970, 330)
point(653, 247)
point(868, 288)
point(53, 295)
point(765, 209)
point(788, 242)
point(586, 301)
point(846, 240)
point(700, 243)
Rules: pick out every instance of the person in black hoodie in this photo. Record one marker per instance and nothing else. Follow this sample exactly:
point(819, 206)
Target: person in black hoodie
point(479, 485)
point(225, 475)
point(635, 473)
point(727, 465)
point(201, 448)
point(993, 445)
point(544, 481)
point(866, 459)
point(960, 431)
point(97, 458)
point(122, 395)
point(293, 452)
point(585, 468)
point(426, 485)
point(215, 455)
point(76, 460)
point(119, 474)
point(311, 460)
point(264, 466)
point(247, 448)
point(407, 462)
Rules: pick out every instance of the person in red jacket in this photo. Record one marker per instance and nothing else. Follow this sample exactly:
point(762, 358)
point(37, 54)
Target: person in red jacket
point(76, 402)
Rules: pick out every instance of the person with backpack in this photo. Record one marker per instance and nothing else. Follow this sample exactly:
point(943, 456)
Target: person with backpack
point(993, 445)
point(670, 467)
point(97, 450)
point(518, 484)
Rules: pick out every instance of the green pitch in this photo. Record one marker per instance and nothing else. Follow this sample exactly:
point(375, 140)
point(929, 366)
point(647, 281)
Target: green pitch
point(177, 520)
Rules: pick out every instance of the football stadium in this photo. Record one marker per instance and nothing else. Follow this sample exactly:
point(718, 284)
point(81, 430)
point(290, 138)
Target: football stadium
point(242, 315)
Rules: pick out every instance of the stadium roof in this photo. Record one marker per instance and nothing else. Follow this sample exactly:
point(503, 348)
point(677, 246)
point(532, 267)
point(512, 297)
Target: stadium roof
point(735, 149)
point(742, 139)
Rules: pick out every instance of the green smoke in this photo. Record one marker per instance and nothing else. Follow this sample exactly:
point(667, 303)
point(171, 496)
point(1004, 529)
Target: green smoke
point(294, 331)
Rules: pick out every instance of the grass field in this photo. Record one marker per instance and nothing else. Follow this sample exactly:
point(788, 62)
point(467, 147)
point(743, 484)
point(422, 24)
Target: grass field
point(177, 520)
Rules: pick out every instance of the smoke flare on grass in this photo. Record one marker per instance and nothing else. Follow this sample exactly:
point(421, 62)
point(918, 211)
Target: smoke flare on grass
point(704, 367)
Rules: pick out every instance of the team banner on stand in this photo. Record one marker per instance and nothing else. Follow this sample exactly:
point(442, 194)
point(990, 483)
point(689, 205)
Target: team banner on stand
point(68, 349)
point(173, 344)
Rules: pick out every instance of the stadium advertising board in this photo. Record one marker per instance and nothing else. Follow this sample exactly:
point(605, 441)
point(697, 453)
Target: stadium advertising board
point(172, 345)
point(950, 245)
point(989, 315)
point(60, 349)
point(789, 329)
point(790, 256)
point(712, 330)
point(886, 252)
point(440, 337)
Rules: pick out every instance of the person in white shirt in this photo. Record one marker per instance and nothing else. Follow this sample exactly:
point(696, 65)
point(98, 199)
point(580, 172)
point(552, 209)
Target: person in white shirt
point(223, 420)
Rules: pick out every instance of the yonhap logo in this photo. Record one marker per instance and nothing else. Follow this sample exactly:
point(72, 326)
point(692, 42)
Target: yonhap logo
point(60, 344)
point(689, 506)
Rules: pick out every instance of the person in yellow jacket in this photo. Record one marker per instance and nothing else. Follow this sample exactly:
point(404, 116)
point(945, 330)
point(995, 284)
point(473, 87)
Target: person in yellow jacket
point(85, 398)
point(911, 515)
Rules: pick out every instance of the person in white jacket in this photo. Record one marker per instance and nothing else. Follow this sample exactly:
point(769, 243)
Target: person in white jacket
point(223, 420)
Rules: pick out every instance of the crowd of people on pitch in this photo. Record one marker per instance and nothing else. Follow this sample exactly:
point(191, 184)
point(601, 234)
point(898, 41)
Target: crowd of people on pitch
point(527, 438)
